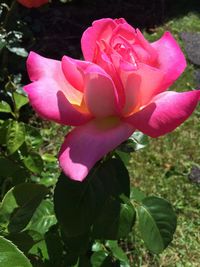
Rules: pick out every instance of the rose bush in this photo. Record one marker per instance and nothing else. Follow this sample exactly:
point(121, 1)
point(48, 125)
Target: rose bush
point(120, 87)
point(32, 3)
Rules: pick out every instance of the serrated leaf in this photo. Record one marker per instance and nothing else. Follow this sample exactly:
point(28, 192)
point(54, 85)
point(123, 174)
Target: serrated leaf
point(19, 205)
point(157, 223)
point(11, 256)
point(15, 136)
point(43, 218)
point(20, 100)
point(5, 107)
point(33, 163)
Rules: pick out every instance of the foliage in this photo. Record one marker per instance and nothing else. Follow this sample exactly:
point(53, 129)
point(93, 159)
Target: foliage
point(48, 220)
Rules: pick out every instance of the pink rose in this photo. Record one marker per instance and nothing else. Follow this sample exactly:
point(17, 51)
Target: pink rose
point(32, 3)
point(119, 88)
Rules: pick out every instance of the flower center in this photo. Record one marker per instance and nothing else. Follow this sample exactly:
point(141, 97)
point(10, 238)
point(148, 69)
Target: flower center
point(127, 53)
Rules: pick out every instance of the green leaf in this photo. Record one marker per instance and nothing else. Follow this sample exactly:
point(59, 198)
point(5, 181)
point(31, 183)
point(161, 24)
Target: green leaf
point(3, 132)
point(136, 141)
point(33, 137)
point(98, 258)
point(19, 205)
point(11, 256)
point(78, 203)
point(20, 100)
point(114, 221)
point(5, 107)
point(157, 223)
point(136, 194)
point(15, 136)
point(33, 163)
point(117, 252)
point(43, 218)
point(18, 51)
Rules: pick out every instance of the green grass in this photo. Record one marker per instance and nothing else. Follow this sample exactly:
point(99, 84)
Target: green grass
point(163, 167)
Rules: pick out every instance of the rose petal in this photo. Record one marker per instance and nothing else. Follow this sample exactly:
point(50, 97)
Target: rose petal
point(140, 86)
point(101, 29)
point(74, 71)
point(171, 59)
point(87, 144)
point(49, 101)
point(166, 112)
point(50, 94)
point(100, 93)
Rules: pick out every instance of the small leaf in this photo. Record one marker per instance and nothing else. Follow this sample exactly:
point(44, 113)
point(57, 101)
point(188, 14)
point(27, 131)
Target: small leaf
point(136, 141)
point(33, 137)
point(19, 205)
point(157, 223)
point(43, 218)
point(20, 100)
point(18, 51)
point(98, 258)
point(5, 107)
point(33, 163)
point(117, 252)
point(15, 136)
point(136, 194)
point(11, 256)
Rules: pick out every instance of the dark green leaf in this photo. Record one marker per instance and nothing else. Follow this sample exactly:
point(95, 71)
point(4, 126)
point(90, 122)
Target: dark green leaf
point(78, 203)
point(20, 100)
point(114, 221)
point(43, 218)
point(33, 163)
point(15, 136)
point(157, 223)
point(98, 258)
point(11, 256)
point(78, 244)
point(19, 205)
point(3, 132)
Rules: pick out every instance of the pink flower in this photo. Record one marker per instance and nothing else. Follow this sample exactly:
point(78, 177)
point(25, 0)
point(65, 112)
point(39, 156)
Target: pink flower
point(32, 3)
point(119, 88)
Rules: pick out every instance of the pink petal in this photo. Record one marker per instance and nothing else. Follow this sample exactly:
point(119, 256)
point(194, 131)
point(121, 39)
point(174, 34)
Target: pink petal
point(50, 94)
point(49, 101)
point(101, 29)
point(170, 58)
point(140, 86)
point(100, 93)
point(87, 144)
point(166, 112)
point(73, 71)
